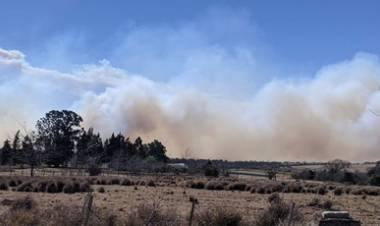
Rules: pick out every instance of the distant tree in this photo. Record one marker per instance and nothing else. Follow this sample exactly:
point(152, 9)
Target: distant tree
point(29, 153)
point(18, 156)
point(210, 170)
point(140, 148)
point(89, 147)
point(374, 174)
point(158, 151)
point(337, 165)
point(6, 153)
point(272, 174)
point(57, 133)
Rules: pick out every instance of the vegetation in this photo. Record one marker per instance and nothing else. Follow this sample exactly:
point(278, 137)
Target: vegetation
point(60, 141)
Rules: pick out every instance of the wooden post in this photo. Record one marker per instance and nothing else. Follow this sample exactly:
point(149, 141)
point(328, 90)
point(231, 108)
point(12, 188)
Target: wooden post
point(290, 219)
point(193, 201)
point(86, 211)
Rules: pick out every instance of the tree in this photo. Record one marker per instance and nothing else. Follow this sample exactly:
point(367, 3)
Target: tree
point(89, 147)
point(29, 153)
point(18, 156)
point(337, 165)
point(6, 153)
point(57, 133)
point(157, 150)
point(140, 148)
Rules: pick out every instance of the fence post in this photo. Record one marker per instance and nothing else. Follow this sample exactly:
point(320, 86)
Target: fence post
point(193, 201)
point(86, 211)
point(290, 219)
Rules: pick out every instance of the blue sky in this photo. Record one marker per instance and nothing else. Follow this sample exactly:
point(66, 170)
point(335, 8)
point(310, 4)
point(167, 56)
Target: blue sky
point(300, 35)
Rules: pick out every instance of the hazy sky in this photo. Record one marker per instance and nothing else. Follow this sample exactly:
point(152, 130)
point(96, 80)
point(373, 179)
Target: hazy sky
point(283, 80)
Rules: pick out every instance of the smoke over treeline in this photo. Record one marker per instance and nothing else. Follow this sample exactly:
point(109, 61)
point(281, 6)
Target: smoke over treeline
point(331, 115)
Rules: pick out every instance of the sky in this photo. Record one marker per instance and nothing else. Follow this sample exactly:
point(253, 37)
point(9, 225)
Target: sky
point(219, 79)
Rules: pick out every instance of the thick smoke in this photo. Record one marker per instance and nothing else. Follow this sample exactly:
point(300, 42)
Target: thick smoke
point(331, 115)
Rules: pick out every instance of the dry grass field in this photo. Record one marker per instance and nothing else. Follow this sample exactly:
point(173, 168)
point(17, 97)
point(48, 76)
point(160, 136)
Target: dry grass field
point(172, 194)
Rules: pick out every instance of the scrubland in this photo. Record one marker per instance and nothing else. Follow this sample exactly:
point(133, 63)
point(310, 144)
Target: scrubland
point(165, 200)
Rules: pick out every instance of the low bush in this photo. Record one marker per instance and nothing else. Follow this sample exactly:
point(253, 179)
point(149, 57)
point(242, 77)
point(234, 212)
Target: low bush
point(197, 184)
point(152, 214)
point(219, 216)
point(3, 186)
point(237, 186)
point(25, 203)
point(126, 182)
point(214, 185)
point(101, 190)
point(94, 170)
point(338, 191)
point(276, 213)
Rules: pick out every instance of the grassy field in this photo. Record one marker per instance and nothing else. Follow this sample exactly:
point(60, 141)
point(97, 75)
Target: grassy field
point(172, 194)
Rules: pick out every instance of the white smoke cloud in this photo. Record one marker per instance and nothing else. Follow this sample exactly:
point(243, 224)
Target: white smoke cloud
point(319, 118)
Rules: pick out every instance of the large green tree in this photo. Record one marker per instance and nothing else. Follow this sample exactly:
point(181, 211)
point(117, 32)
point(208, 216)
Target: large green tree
point(57, 133)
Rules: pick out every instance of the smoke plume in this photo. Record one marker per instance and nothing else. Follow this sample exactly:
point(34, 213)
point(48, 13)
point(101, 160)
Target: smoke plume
point(330, 115)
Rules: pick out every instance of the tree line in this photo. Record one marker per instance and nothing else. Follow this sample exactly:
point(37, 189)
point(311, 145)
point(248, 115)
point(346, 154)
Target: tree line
point(59, 140)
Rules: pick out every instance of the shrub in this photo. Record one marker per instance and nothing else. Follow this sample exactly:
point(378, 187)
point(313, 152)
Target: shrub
point(375, 180)
point(197, 184)
point(126, 182)
point(277, 212)
point(211, 171)
point(274, 198)
point(25, 203)
point(214, 185)
point(101, 190)
point(94, 170)
point(322, 190)
point(219, 216)
point(237, 186)
point(52, 188)
point(152, 214)
point(85, 187)
point(338, 191)
point(314, 202)
point(151, 183)
point(68, 188)
point(41, 186)
point(115, 181)
point(371, 191)
point(3, 186)
point(327, 205)
point(12, 183)
point(59, 186)
point(25, 187)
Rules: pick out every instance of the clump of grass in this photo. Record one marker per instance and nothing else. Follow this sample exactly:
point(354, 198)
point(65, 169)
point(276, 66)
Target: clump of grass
point(197, 184)
point(237, 186)
point(214, 185)
point(25, 187)
point(3, 186)
point(151, 183)
point(114, 181)
point(101, 190)
point(274, 198)
point(126, 182)
point(326, 204)
point(25, 203)
point(68, 188)
point(52, 188)
point(276, 213)
point(321, 190)
point(152, 214)
point(219, 216)
point(338, 191)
